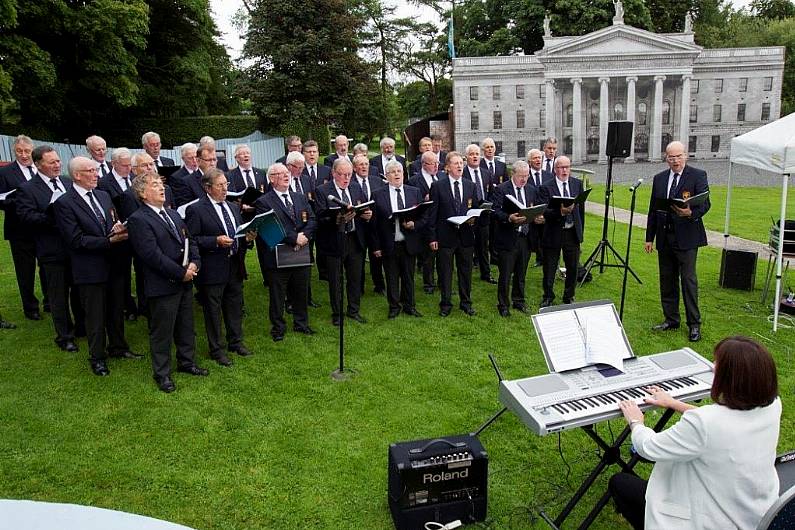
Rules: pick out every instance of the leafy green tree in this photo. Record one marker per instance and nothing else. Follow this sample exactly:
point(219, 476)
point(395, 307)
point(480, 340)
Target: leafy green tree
point(773, 9)
point(414, 98)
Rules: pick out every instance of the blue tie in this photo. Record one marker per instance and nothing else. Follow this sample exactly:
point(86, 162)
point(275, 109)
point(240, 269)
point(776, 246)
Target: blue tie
point(230, 227)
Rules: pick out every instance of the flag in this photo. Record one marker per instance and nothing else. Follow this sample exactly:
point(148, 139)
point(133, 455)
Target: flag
point(450, 43)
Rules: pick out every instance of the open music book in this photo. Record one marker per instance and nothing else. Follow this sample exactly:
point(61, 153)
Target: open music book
point(579, 335)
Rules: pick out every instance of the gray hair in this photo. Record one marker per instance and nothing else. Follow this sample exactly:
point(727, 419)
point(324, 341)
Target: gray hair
point(22, 139)
point(472, 147)
point(78, 161)
point(206, 140)
point(386, 140)
point(521, 165)
point(550, 140)
point(121, 152)
point(151, 135)
point(293, 157)
point(241, 147)
point(94, 139)
point(532, 152)
point(361, 148)
point(341, 162)
point(186, 147)
point(392, 164)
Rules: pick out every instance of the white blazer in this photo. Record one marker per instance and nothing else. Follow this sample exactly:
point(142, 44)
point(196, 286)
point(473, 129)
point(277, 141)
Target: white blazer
point(714, 468)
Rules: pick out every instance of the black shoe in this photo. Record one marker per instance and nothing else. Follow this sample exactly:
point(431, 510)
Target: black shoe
point(242, 351)
point(306, 331)
point(379, 292)
point(546, 302)
point(504, 311)
point(444, 312)
point(538, 264)
point(32, 315)
point(665, 326)
point(490, 280)
point(222, 359)
point(335, 322)
point(569, 300)
point(428, 289)
point(393, 313)
point(277, 337)
point(80, 331)
point(100, 368)
point(522, 308)
point(413, 312)
point(127, 354)
point(68, 345)
point(5, 324)
point(288, 308)
point(314, 304)
point(695, 333)
point(165, 384)
point(193, 370)
point(469, 311)
point(131, 317)
point(358, 318)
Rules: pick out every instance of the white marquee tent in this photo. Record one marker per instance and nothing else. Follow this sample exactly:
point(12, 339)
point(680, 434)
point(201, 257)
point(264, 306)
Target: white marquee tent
point(770, 148)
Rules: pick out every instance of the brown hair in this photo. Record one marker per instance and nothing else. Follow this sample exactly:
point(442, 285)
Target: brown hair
point(745, 374)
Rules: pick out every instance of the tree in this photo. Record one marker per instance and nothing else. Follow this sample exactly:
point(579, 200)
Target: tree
point(425, 58)
point(414, 98)
point(773, 9)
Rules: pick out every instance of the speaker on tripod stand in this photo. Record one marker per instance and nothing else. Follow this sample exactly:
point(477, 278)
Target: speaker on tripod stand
point(619, 139)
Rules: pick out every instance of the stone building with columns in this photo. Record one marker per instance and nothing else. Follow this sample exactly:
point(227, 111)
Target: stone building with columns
point(671, 88)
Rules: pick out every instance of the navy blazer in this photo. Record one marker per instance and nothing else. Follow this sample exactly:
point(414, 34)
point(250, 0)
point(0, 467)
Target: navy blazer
point(385, 227)
point(445, 233)
point(205, 226)
point(374, 182)
point(329, 160)
point(379, 166)
point(322, 174)
point(166, 161)
point(327, 239)
point(500, 173)
point(545, 173)
point(160, 251)
point(419, 182)
point(33, 207)
point(111, 187)
point(488, 186)
point(303, 219)
point(553, 221)
point(505, 233)
point(86, 238)
point(689, 231)
point(237, 183)
point(186, 187)
point(11, 178)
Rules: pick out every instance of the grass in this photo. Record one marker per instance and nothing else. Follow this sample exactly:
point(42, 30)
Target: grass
point(273, 442)
point(751, 210)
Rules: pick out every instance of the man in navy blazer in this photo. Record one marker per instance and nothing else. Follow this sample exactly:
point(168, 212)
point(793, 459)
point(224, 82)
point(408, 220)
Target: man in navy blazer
point(341, 144)
point(185, 182)
point(317, 173)
point(33, 201)
point(93, 234)
point(220, 157)
point(212, 222)
point(425, 144)
point(342, 235)
point(562, 231)
point(535, 158)
point(678, 232)
point(367, 183)
point(453, 196)
point(428, 174)
point(550, 155)
point(159, 238)
point(387, 145)
point(292, 143)
point(398, 241)
point(245, 175)
point(151, 144)
point(489, 160)
point(484, 186)
point(18, 235)
point(512, 237)
point(298, 220)
point(436, 147)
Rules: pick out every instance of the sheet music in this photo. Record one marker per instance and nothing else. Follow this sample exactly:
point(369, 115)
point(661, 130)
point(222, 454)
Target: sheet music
point(6, 194)
point(56, 194)
point(563, 338)
point(185, 253)
point(604, 342)
point(182, 210)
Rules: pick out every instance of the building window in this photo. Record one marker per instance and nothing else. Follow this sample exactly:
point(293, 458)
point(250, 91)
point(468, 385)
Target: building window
point(768, 83)
point(594, 115)
point(694, 86)
point(641, 143)
point(666, 112)
point(569, 117)
point(473, 93)
point(498, 147)
point(521, 149)
point(474, 121)
point(520, 119)
point(542, 91)
point(542, 117)
point(592, 145)
point(641, 118)
point(693, 113)
point(718, 86)
point(743, 84)
point(618, 111)
point(741, 112)
point(519, 91)
point(716, 113)
point(497, 119)
point(495, 92)
point(692, 144)
point(666, 139)
point(715, 143)
point(567, 145)
point(765, 112)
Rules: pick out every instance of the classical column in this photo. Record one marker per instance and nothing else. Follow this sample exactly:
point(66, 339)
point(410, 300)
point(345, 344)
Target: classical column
point(631, 115)
point(656, 122)
point(684, 114)
point(549, 113)
point(576, 124)
point(603, 117)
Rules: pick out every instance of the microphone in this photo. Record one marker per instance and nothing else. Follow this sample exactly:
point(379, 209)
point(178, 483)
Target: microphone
point(338, 202)
point(637, 185)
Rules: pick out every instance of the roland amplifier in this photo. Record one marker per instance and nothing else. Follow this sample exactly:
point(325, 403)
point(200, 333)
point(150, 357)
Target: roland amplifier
point(438, 480)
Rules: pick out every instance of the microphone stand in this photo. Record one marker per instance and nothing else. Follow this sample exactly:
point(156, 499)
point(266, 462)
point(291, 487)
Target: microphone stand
point(634, 190)
point(340, 374)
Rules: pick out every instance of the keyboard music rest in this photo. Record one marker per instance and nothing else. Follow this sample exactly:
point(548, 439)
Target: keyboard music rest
point(576, 398)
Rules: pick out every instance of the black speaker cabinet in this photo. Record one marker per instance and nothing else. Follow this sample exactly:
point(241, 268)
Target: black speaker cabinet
point(619, 139)
point(738, 269)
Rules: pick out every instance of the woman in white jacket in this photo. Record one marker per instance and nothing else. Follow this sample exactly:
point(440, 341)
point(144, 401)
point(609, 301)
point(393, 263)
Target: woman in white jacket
point(714, 468)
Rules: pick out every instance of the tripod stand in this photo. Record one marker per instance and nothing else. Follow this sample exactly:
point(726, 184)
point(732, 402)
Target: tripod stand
point(598, 254)
point(634, 190)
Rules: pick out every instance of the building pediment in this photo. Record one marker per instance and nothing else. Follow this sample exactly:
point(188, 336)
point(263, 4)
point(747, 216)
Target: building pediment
point(619, 41)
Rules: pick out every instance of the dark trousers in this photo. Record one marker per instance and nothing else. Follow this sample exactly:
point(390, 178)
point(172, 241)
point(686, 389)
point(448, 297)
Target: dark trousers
point(512, 265)
point(289, 283)
point(463, 265)
point(171, 318)
point(678, 266)
point(427, 259)
point(124, 264)
point(629, 494)
point(58, 277)
point(376, 272)
point(352, 262)
point(262, 250)
point(23, 252)
point(399, 269)
point(536, 234)
point(116, 293)
point(140, 294)
point(224, 300)
point(570, 247)
point(92, 298)
point(482, 248)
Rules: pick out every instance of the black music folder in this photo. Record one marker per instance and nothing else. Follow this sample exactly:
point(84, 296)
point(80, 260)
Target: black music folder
point(412, 212)
point(247, 196)
point(511, 205)
point(287, 256)
point(664, 204)
point(557, 200)
point(166, 171)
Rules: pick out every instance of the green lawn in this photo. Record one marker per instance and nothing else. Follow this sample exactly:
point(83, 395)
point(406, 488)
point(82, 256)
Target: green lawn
point(752, 208)
point(273, 442)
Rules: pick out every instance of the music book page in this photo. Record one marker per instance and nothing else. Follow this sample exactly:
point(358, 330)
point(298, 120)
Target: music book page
point(604, 342)
point(562, 335)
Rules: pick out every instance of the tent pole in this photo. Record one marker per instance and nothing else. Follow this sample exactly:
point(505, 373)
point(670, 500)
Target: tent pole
point(728, 206)
point(779, 258)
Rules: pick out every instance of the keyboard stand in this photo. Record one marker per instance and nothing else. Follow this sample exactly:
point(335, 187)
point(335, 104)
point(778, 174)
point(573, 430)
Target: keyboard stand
point(611, 455)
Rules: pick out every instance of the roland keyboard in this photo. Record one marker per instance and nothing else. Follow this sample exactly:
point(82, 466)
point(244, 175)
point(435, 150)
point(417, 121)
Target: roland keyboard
point(577, 398)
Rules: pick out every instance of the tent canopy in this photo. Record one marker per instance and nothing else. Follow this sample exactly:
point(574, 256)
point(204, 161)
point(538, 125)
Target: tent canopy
point(770, 147)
